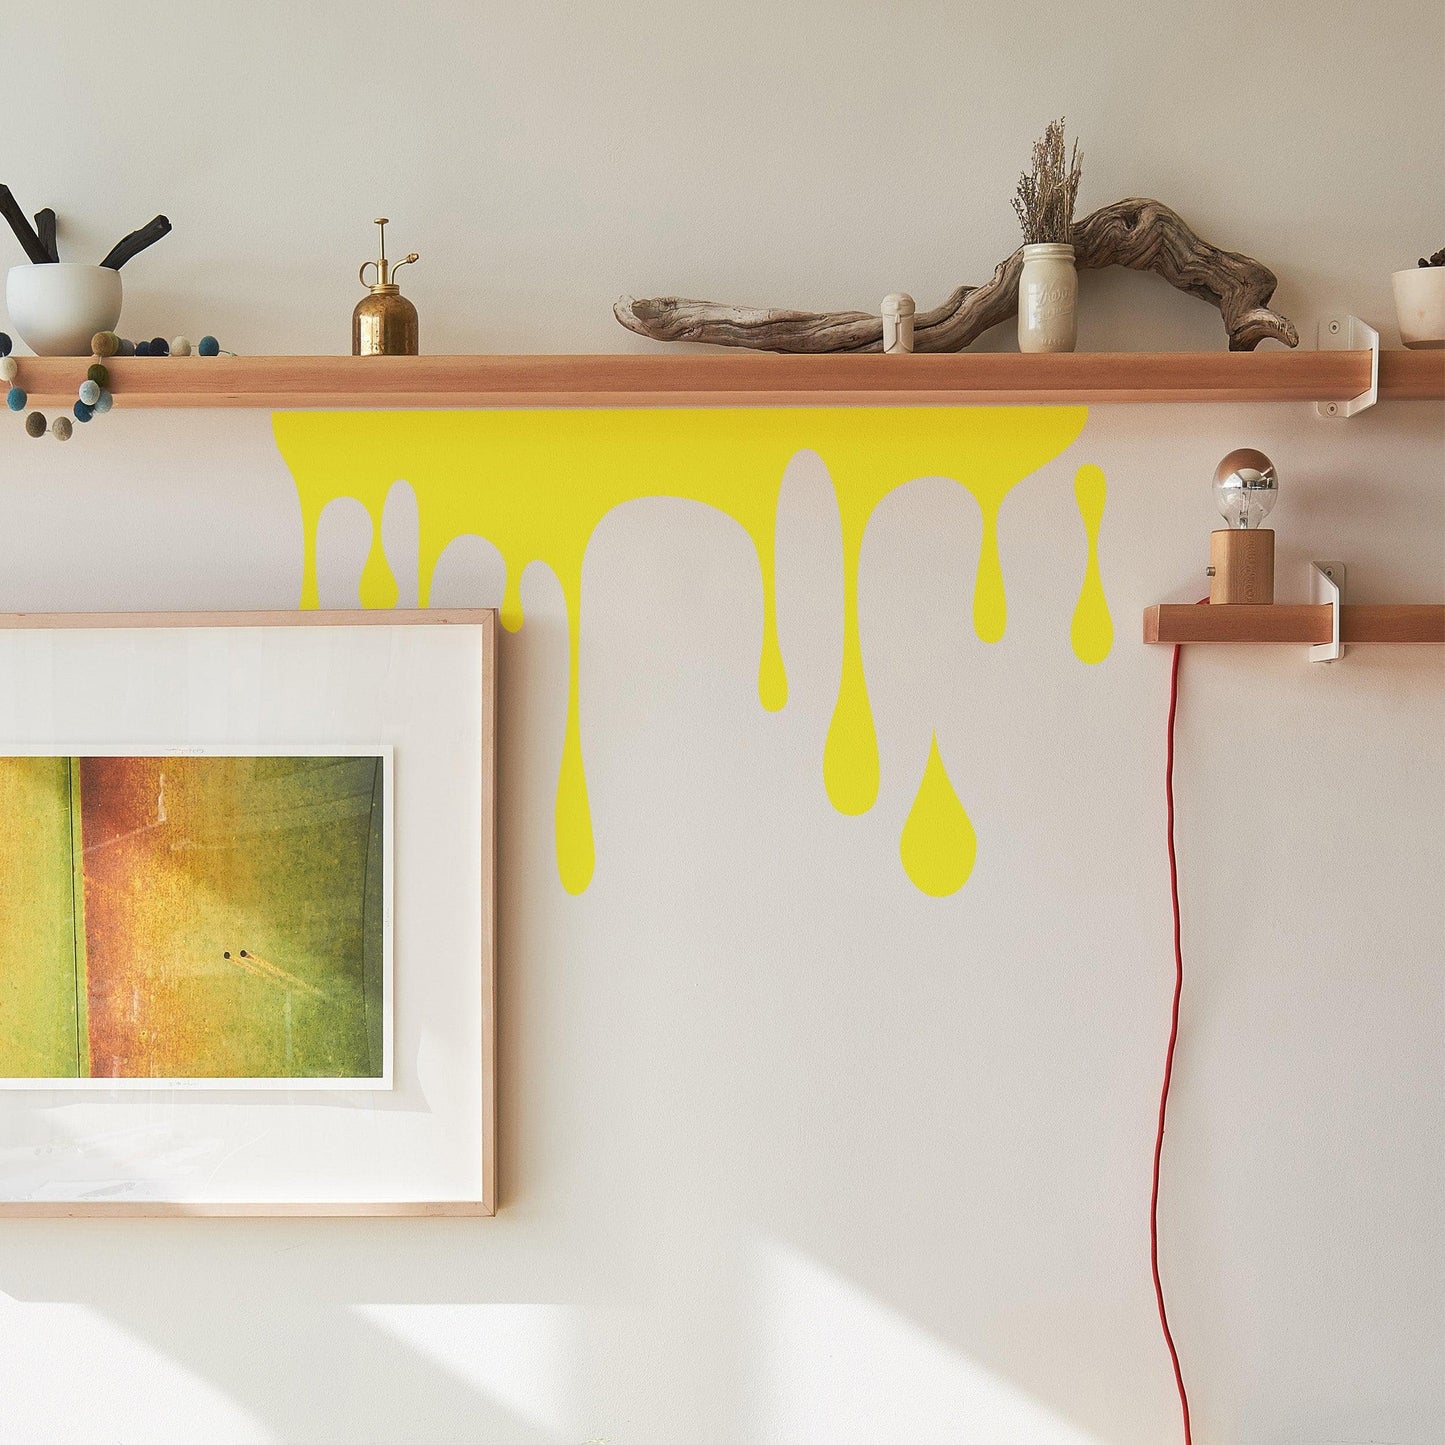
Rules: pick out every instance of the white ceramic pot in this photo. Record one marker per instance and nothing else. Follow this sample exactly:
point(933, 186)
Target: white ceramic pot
point(1420, 306)
point(1048, 297)
point(56, 308)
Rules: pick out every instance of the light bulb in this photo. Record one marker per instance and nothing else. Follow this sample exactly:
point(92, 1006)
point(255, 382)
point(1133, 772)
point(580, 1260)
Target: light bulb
point(1245, 488)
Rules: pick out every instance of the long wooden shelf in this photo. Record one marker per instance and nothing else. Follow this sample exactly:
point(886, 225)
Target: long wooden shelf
point(1309, 623)
point(741, 379)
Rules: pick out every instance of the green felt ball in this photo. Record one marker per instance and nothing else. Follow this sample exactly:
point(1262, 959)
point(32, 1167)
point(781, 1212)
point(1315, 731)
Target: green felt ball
point(9, 369)
point(35, 424)
point(105, 343)
point(61, 428)
point(99, 375)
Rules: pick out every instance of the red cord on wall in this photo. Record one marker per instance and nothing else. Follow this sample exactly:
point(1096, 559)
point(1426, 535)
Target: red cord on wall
point(1173, 1039)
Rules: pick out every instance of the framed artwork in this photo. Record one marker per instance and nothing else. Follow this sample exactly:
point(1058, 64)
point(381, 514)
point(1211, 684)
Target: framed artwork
point(247, 913)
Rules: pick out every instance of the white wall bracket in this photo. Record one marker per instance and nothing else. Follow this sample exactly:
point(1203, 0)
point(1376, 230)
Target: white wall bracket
point(1349, 333)
point(1327, 585)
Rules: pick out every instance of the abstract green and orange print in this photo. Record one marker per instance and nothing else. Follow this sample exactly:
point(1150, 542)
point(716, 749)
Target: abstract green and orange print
point(192, 917)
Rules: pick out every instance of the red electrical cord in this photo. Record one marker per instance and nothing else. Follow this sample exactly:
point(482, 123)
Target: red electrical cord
point(1173, 1038)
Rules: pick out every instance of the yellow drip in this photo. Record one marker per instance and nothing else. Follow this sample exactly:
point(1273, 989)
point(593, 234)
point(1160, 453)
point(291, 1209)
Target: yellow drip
point(938, 844)
point(576, 852)
point(537, 483)
point(378, 585)
point(1092, 630)
point(990, 606)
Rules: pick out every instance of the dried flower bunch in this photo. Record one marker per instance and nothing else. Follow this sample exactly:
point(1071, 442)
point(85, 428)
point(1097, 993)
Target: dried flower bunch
point(1438, 259)
point(1046, 196)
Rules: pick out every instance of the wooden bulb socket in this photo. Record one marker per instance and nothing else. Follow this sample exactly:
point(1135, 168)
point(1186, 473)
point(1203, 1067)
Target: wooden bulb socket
point(1241, 567)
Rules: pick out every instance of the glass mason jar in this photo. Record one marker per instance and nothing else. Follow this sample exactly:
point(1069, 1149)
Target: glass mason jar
point(1048, 291)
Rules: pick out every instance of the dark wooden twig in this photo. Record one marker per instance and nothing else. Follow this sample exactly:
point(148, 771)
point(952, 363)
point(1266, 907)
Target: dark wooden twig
point(45, 230)
point(128, 248)
point(20, 224)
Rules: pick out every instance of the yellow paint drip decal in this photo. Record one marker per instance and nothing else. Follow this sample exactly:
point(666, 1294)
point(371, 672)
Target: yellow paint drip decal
point(938, 843)
point(537, 483)
point(1092, 631)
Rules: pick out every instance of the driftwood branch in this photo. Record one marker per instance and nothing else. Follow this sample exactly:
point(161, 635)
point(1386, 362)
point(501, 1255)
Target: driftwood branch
point(129, 247)
point(19, 222)
point(45, 232)
point(1140, 234)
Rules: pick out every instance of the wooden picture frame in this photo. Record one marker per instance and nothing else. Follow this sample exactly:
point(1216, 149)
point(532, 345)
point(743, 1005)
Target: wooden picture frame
point(480, 1200)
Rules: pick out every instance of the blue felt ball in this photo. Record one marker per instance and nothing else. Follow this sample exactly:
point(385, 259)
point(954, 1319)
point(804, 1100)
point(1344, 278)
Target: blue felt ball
point(89, 393)
point(160, 347)
point(5, 344)
point(142, 348)
point(83, 412)
point(15, 399)
point(104, 401)
point(208, 346)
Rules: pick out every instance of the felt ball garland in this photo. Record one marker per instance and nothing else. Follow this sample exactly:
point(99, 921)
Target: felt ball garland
point(92, 395)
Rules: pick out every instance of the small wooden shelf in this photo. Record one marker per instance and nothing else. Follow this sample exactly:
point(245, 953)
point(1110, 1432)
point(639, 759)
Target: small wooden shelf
point(1307, 624)
point(741, 379)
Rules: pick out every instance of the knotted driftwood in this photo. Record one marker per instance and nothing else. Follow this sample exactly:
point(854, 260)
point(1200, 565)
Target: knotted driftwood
point(1140, 234)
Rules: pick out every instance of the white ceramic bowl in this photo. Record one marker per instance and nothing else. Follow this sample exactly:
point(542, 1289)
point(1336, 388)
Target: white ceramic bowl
point(1420, 306)
point(55, 309)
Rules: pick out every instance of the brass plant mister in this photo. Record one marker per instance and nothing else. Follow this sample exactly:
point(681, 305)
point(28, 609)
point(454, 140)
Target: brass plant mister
point(384, 322)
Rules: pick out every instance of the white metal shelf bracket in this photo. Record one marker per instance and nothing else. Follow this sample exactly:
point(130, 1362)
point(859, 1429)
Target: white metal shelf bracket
point(1327, 585)
point(1349, 333)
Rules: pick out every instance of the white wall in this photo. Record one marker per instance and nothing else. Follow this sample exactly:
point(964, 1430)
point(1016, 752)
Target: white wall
point(792, 1153)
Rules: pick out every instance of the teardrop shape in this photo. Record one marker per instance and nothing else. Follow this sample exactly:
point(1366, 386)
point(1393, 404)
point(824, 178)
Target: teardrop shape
point(938, 845)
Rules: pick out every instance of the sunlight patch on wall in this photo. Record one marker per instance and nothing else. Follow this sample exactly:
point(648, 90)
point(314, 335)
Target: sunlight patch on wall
point(521, 1357)
point(537, 483)
point(105, 1401)
point(835, 1366)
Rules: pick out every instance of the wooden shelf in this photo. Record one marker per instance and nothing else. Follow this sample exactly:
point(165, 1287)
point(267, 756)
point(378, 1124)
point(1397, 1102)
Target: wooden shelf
point(741, 379)
point(1307, 624)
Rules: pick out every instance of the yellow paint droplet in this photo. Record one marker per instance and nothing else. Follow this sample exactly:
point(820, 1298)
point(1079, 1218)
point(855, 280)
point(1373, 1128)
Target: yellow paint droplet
point(938, 844)
point(850, 756)
point(772, 675)
point(378, 586)
point(310, 585)
point(990, 605)
point(511, 611)
point(1092, 630)
point(576, 852)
